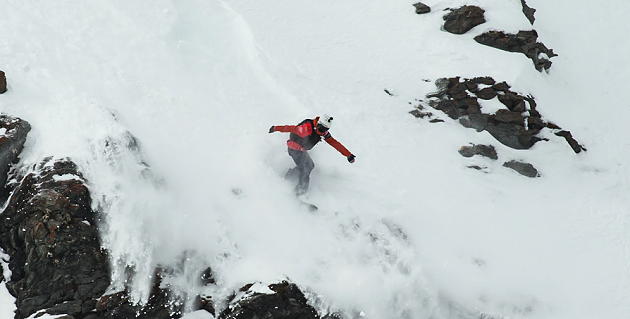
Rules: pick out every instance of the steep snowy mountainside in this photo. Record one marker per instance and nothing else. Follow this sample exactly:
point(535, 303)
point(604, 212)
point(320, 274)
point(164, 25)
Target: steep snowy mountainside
point(408, 230)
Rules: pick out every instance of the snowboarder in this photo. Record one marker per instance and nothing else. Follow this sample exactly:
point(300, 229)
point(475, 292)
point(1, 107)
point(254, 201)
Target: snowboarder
point(303, 137)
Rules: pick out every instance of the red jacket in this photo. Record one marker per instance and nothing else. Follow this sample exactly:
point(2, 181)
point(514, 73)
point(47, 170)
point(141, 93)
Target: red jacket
point(304, 136)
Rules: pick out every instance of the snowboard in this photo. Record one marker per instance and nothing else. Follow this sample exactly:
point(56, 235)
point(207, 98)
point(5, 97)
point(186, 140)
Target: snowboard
point(291, 177)
point(308, 205)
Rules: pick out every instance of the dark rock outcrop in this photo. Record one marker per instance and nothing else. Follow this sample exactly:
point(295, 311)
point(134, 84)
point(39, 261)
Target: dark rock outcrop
point(577, 148)
point(528, 11)
point(3, 82)
point(449, 107)
point(461, 20)
point(13, 132)
point(479, 149)
point(512, 135)
point(286, 302)
point(516, 126)
point(522, 168)
point(48, 230)
point(162, 303)
point(507, 116)
point(486, 93)
point(523, 42)
point(422, 8)
point(202, 301)
point(419, 112)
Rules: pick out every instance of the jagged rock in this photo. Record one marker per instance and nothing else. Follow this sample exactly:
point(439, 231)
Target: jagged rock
point(553, 126)
point(162, 304)
point(443, 83)
point(3, 82)
point(461, 20)
point(577, 148)
point(457, 91)
point(449, 107)
point(419, 114)
point(486, 80)
point(523, 42)
point(532, 107)
point(479, 149)
point(522, 168)
point(513, 101)
point(516, 127)
point(48, 231)
point(501, 87)
point(486, 93)
point(476, 121)
point(506, 126)
point(204, 303)
point(471, 86)
point(111, 301)
point(71, 308)
point(513, 135)
point(57, 265)
point(529, 12)
point(506, 116)
point(283, 301)
point(13, 132)
point(468, 106)
point(535, 123)
point(422, 8)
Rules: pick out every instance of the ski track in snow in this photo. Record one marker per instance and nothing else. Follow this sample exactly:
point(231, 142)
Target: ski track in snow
point(165, 106)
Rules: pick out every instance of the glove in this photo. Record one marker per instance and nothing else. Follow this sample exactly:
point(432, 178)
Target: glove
point(351, 158)
point(271, 129)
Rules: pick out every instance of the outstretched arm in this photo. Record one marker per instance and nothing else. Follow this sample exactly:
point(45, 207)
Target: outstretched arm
point(284, 129)
point(303, 130)
point(344, 151)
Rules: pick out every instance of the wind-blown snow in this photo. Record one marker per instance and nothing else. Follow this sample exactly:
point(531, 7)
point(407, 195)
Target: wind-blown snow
point(165, 106)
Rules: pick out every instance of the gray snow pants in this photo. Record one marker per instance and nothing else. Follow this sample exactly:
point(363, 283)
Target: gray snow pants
point(302, 170)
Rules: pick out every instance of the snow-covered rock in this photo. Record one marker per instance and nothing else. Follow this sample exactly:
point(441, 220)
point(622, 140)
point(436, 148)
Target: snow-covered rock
point(525, 42)
point(12, 138)
point(517, 124)
point(56, 260)
point(279, 301)
point(463, 19)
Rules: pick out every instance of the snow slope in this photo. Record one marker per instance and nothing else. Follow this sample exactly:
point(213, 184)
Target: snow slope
point(408, 230)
